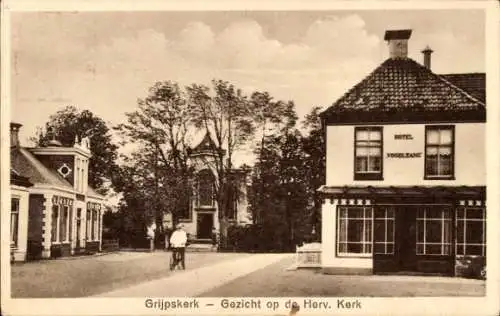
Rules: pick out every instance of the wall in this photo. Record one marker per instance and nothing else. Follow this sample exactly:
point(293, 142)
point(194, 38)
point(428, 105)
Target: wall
point(19, 253)
point(331, 263)
point(38, 234)
point(470, 163)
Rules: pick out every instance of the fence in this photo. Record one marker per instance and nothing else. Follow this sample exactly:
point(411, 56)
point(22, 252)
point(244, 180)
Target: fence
point(110, 245)
point(309, 256)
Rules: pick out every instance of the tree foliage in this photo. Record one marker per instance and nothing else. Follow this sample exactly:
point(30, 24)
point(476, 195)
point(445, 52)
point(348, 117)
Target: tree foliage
point(69, 123)
point(157, 174)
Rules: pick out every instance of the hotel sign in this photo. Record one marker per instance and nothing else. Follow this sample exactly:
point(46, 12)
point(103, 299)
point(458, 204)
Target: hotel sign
point(405, 154)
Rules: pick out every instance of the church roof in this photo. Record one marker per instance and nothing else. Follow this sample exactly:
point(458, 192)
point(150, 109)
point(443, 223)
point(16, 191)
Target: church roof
point(400, 89)
point(205, 146)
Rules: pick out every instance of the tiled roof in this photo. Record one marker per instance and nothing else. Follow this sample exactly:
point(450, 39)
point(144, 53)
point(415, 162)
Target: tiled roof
point(472, 83)
point(26, 165)
point(402, 84)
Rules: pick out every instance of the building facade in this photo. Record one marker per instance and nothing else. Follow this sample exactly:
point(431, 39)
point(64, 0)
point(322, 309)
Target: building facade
point(54, 212)
point(203, 212)
point(405, 169)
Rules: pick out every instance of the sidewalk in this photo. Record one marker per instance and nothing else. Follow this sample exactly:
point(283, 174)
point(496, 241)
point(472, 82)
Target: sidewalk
point(194, 282)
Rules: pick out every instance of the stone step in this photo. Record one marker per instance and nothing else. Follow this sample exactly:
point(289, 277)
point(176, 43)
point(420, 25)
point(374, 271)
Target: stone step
point(201, 248)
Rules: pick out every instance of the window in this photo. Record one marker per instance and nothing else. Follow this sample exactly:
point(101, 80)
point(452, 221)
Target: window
point(14, 221)
point(383, 231)
point(63, 224)
point(87, 226)
point(439, 152)
point(471, 231)
point(368, 153)
point(206, 188)
point(94, 224)
point(232, 196)
point(434, 231)
point(55, 224)
point(354, 231)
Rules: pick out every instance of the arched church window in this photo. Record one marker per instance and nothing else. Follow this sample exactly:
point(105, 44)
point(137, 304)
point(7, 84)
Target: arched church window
point(206, 188)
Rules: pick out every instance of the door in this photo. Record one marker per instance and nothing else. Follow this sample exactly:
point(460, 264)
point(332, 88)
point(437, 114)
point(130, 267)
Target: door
point(205, 224)
point(406, 225)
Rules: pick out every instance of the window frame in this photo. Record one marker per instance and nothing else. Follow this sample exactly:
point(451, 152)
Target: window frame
point(369, 176)
point(451, 176)
point(55, 227)
point(340, 254)
point(386, 220)
point(207, 173)
point(464, 220)
point(425, 220)
point(14, 237)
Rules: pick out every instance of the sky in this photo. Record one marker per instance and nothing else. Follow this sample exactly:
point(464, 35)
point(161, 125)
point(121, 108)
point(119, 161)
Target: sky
point(105, 61)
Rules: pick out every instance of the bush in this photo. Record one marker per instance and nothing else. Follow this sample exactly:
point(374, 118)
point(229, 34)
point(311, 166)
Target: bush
point(257, 238)
point(471, 267)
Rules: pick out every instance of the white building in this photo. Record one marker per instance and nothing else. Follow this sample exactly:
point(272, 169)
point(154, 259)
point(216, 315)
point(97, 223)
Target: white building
point(405, 169)
point(54, 212)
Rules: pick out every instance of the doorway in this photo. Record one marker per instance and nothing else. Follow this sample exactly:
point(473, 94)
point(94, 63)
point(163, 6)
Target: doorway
point(205, 223)
point(406, 236)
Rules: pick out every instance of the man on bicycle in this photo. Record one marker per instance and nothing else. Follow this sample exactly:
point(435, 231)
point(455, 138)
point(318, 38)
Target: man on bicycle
point(178, 243)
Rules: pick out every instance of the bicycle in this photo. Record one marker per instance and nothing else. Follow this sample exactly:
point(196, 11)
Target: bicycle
point(176, 260)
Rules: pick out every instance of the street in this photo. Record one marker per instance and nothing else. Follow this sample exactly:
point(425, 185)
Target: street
point(136, 274)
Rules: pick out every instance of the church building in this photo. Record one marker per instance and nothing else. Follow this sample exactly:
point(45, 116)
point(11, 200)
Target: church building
point(203, 212)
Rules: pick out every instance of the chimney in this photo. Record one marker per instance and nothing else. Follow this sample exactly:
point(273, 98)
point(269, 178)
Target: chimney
point(398, 42)
point(427, 57)
point(14, 134)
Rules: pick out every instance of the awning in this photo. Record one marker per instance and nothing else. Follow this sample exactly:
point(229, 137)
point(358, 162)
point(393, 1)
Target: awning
point(464, 192)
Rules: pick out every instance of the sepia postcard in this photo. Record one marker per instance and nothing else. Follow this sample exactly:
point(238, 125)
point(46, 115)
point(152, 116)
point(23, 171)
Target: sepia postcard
point(250, 158)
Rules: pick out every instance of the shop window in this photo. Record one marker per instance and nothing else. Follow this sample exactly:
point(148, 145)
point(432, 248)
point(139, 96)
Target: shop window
point(55, 223)
point(439, 152)
point(471, 231)
point(368, 153)
point(63, 229)
point(87, 225)
point(383, 232)
point(354, 231)
point(434, 231)
point(206, 188)
point(14, 221)
point(94, 225)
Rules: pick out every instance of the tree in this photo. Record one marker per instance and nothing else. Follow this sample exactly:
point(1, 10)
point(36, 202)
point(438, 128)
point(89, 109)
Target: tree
point(314, 161)
point(69, 123)
point(159, 128)
point(226, 116)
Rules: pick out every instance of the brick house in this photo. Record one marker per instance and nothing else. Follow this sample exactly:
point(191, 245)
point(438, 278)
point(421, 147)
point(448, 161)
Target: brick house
point(54, 212)
point(405, 187)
